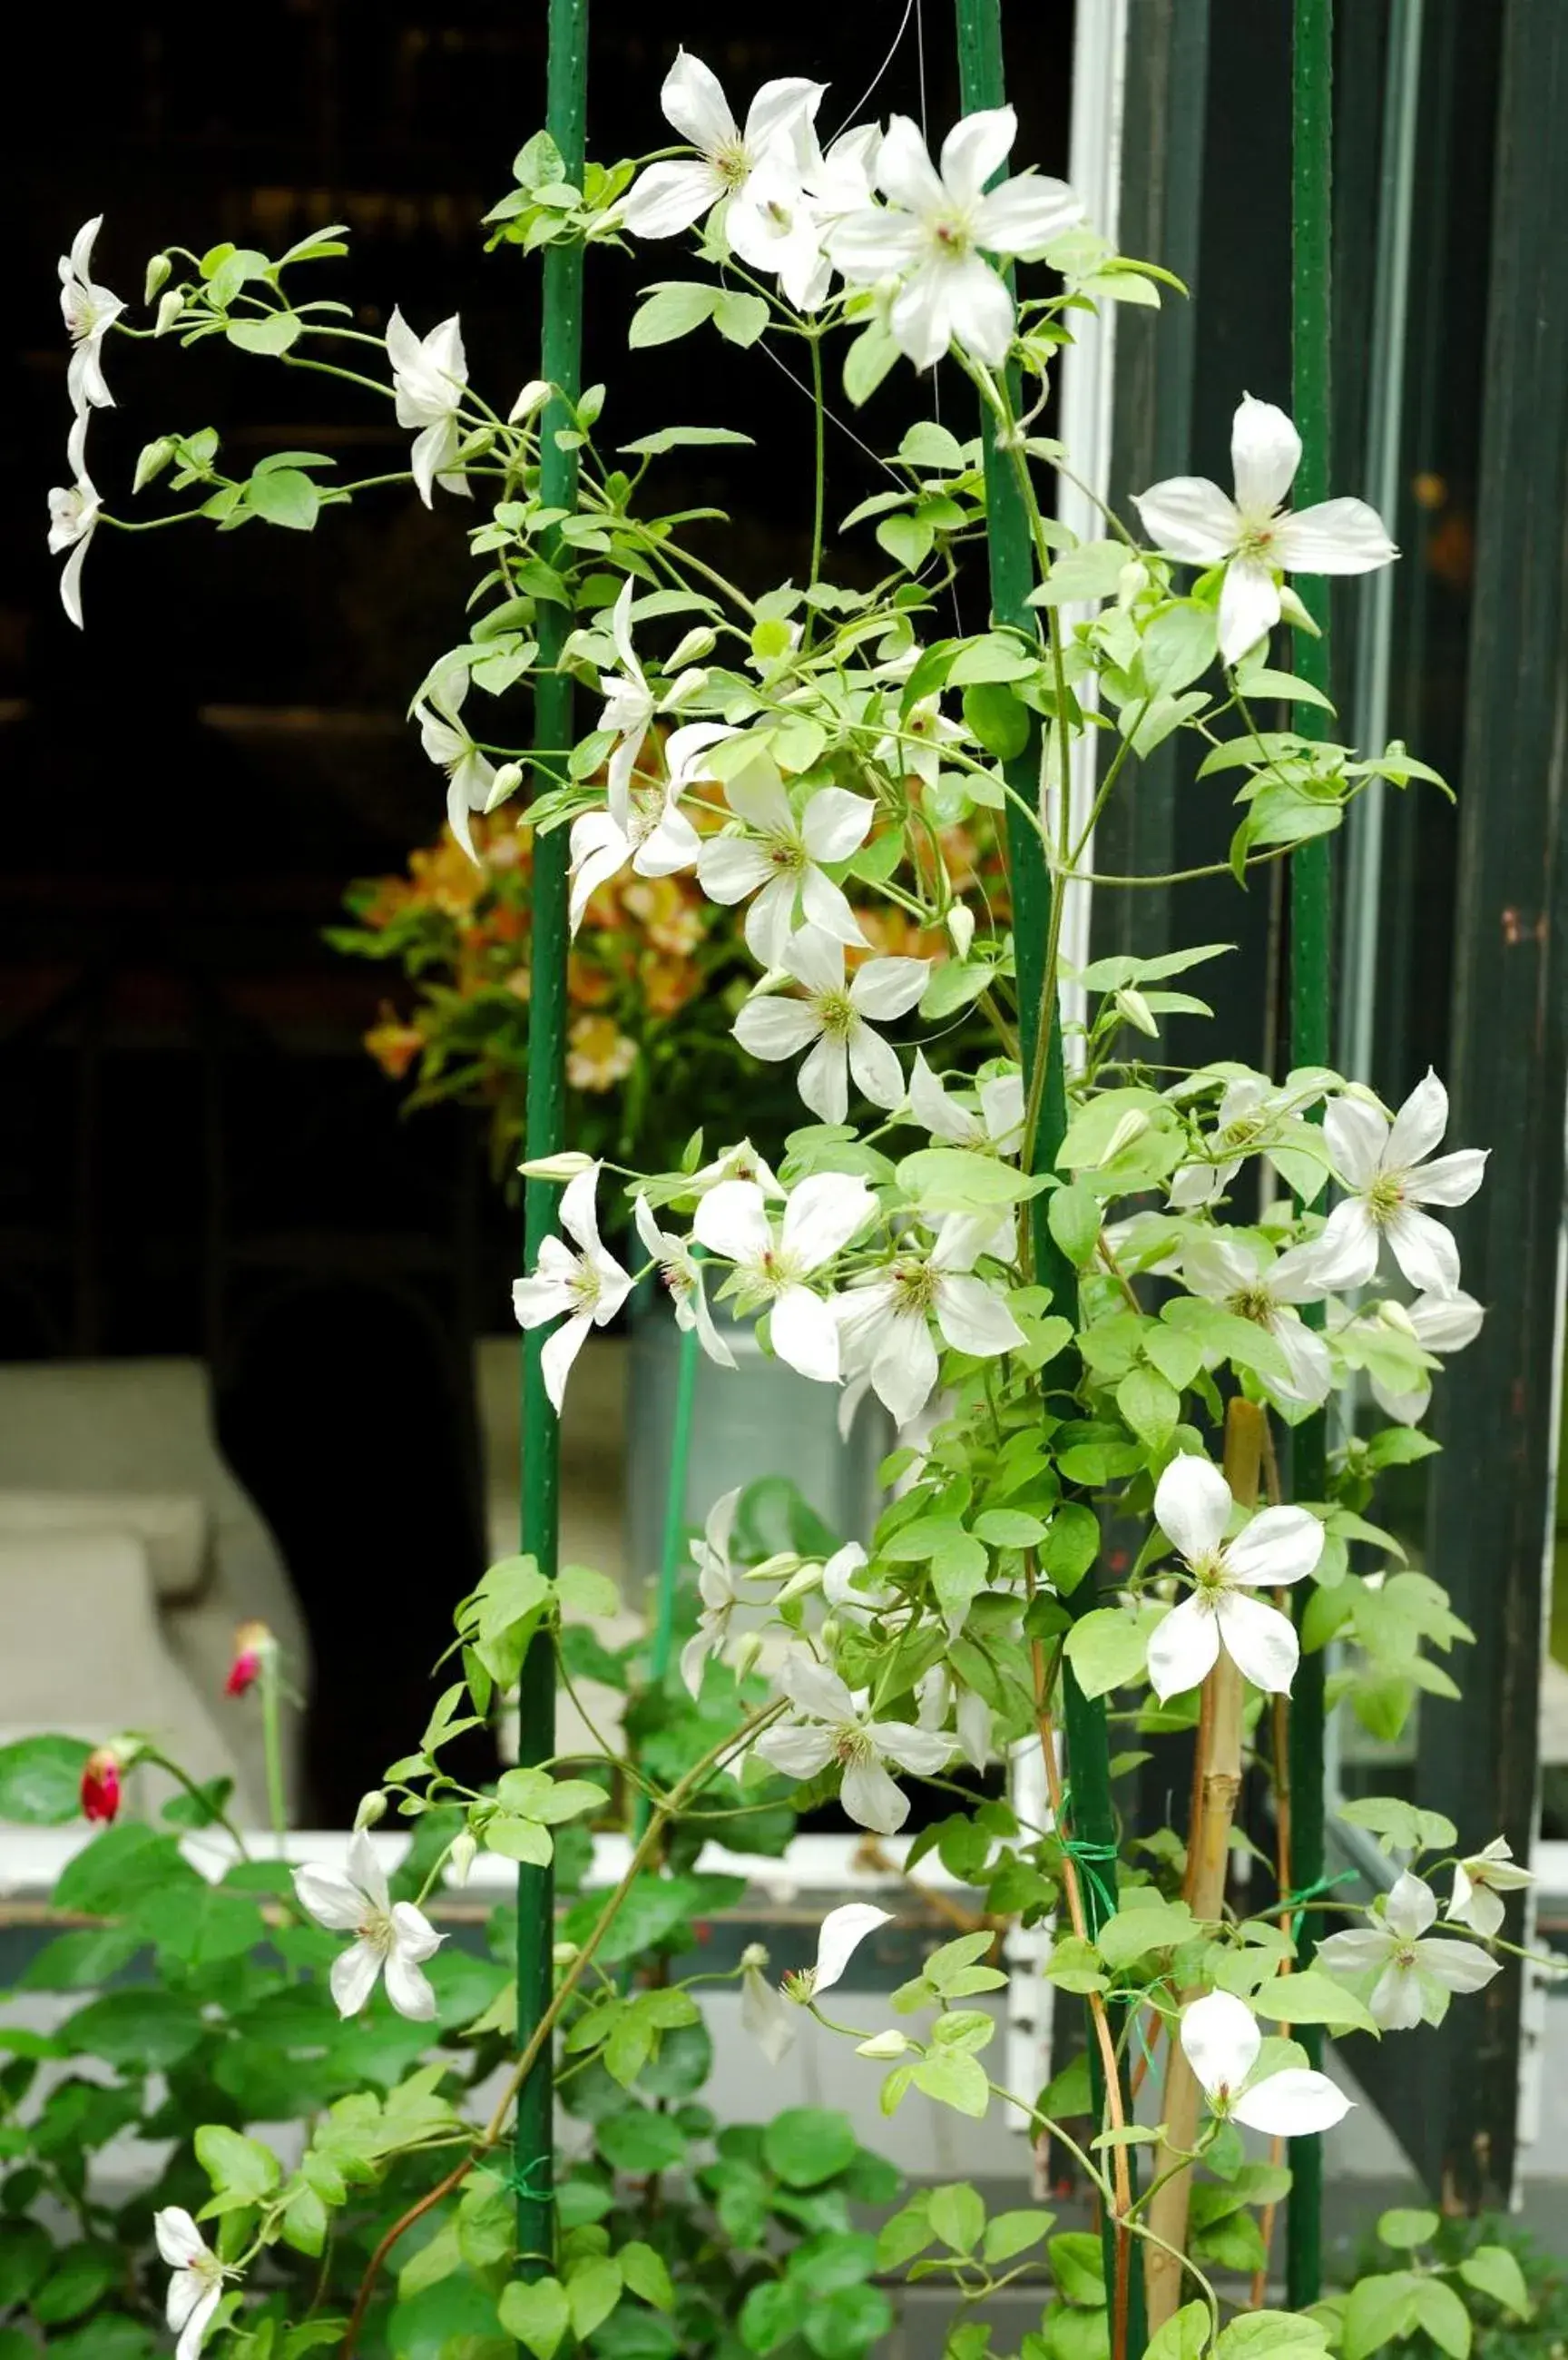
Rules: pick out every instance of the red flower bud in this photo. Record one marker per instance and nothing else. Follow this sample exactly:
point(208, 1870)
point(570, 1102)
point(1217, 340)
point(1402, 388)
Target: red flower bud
point(101, 1786)
point(253, 1644)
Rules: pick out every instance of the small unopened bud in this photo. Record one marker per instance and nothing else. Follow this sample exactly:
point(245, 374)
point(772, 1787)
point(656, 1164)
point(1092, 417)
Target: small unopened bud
point(1394, 1315)
point(746, 1652)
point(373, 1806)
point(1131, 582)
point(508, 780)
point(697, 643)
point(754, 1958)
point(961, 928)
point(462, 1857)
point(691, 682)
point(254, 1645)
point(170, 308)
point(158, 272)
point(533, 397)
point(884, 2046)
point(801, 1584)
point(1132, 1126)
point(102, 1787)
point(1133, 1009)
point(155, 457)
point(564, 1954)
point(564, 1166)
point(829, 1633)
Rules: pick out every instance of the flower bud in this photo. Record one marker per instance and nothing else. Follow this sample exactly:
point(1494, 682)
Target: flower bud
point(564, 1166)
point(170, 308)
point(1132, 1126)
point(534, 396)
point(462, 1857)
point(743, 1657)
point(373, 1806)
point(158, 272)
point(155, 457)
point(697, 643)
point(102, 1784)
point(1131, 582)
point(564, 1954)
point(508, 778)
point(884, 2046)
point(801, 1584)
point(754, 1958)
point(1133, 1009)
point(253, 1645)
point(829, 1633)
point(961, 928)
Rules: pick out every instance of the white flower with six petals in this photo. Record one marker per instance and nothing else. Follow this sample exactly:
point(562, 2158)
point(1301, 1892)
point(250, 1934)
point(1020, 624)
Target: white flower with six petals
point(829, 1724)
point(1193, 1505)
point(1252, 535)
point(392, 1938)
point(885, 1320)
point(1389, 1173)
point(670, 197)
point(779, 859)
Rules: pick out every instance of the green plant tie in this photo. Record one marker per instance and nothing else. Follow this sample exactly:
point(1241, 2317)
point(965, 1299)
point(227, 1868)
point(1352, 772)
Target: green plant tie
point(1297, 1902)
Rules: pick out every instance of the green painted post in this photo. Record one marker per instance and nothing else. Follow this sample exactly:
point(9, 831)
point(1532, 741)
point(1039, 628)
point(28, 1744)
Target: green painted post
point(561, 364)
point(983, 82)
point(1312, 909)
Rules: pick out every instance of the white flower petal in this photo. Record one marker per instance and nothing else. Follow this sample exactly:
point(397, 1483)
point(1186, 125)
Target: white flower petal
point(186, 2290)
point(1264, 452)
point(1419, 1124)
point(330, 1898)
point(732, 1221)
point(1279, 1545)
point(731, 868)
point(1424, 1252)
point(768, 2016)
point(824, 907)
point(1183, 1649)
point(1357, 1137)
point(823, 1080)
point(975, 150)
point(921, 1752)
point(1397, 2000)
point(770, 921)
point(1458, 1966)
point(796, 1752)
point(1249, 606)
point(668, 197)
point(979, 309)
point(556, 1360)
point(1344, 1252)
point(196, 2326)
point(886, 988)
point(905, 171)
point(1192, 1504)
point(1336, 537)
point(1410, 1908)
point(1260, 1640)
point(872, 1799)
point(920, 319)
point(815, 1687)
point(1189, 518)
point(1448, 1179)
point(874, 243)
point(352, 1978)
point(974, 1318)
point(805, 1335)
point(778, 108)
point(179, 2241)
point(693, 102)
point(1220, 2040)
point(843, 1932)
point(835, 823)
point(413, 1936)
point(408, 1989)
point(1025, 214)
point(905, 1365)
point(877, 1073)
point(774, 1027)
point(1360, 1951)
point(1292, 2104)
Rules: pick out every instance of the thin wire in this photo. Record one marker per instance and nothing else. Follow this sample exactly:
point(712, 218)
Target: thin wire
point(762, 345)
point(870, 90)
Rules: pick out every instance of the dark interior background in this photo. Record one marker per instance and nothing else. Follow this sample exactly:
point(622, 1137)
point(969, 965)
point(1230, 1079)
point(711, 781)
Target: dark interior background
point(196, 1154)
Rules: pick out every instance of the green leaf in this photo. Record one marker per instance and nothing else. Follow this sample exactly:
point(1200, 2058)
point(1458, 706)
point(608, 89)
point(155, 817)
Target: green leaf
point(927, 444)
point(1185, 2335)
point(645, 2275)
point(592, 2290)
point(537, 2314)
point(1007, 2234)
point(956, 2214)
point(81, 2277)
point(670, 311)
point(867, 363)
point(1439, 2309)
point(1074, 1216)
point(1133, 1932)
point(837, 2259)
point(284, 496)
point(1150, 1404)
point(1493, 2270)
point(1108, 1647)
point(40, 1781)
point(305, 2221)
point(273, 334)
point(1078, 2268)
point(145, 2027)
point(1071, 1545)
point(237, 2166)
point(1010, 1528)
point(846, 2322)
point(676, 438)
point(998, 718)
point(954, 2079)
point(806, 2145)
point(26, 2258)
point(770, 2314)
point(1314, 1998)
point(959, 1180)
point(906, 539)
point(637, 2140)
point(1376, 2312)
point(1402, 2228)
point(740, 318)
point(1272, 2335)
point(1092, 572)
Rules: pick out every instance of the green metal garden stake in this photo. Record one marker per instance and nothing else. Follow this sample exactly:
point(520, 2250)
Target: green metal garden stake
point(1311, 903)
point(983, 82)
point(546, 1128)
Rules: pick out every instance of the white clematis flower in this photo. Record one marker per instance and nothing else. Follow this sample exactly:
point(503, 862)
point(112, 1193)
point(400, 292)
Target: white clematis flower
point(655, 836)
point(832, 1019)
point(586, 1289)
point(1252, 535)
point(1245, 1280)
point(73, 519)
point(431, 378)
point(939, 1693)
point(629, 707)
point(796, 196)
point(90, 311)
point(1222, 2042)
point(1479, 1881)
point(1250, 1120)
point(885, 1320)
point(1193, 1505)
point(740, 1162)
point(769, 2014)
point(670, 197)
point(1389, 1173)
point(197, 2287)
point(937, 227)
point(471, 777)
point(1416, 1971)
point(682, 1274)
point(774, 1260)
point(995, 1126)
point(829, 1724)
point(780, 858)
point(394, 1938)
point(914, 751)
point(719, 1588)
point(1439, 1323)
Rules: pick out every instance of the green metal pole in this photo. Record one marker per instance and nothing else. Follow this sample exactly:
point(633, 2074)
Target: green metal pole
point(982, 83)
point(676, 1480)
point(1311, 906)
point(546, 1133)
